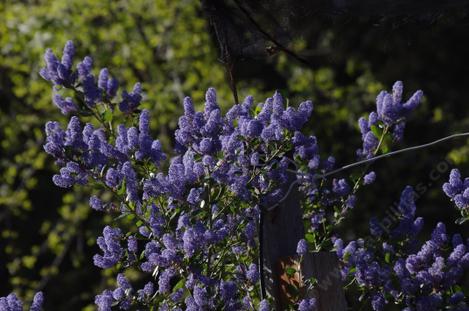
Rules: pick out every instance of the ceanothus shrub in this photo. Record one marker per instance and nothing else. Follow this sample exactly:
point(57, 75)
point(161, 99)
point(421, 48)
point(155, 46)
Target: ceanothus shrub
point(392, 267)
point(195, 211)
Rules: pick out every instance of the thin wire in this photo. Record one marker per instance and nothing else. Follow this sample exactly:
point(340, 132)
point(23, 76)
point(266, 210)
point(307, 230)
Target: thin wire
point(284, 197)
point(348, 166)
point(392, 153)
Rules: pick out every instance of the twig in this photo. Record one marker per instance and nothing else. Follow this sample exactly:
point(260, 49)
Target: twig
point(229, 69)
point(221, 35)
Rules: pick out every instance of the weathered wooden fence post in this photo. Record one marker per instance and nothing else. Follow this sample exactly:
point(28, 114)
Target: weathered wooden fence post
point(282, 229)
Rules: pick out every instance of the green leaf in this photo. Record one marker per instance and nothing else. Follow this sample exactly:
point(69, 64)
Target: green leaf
point(290, 271)
point(121, 190)
point(346, 256)
point(387, 142)
point(385, 148)
point(376, 130)
point(387, 258)
point(310, 237)
point(122, 216)
point(179, 285)
point(107, 115)
point(257, 110)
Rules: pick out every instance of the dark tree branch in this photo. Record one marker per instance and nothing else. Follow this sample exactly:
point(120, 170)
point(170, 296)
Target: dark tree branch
point(270, 37)
point(221, 28)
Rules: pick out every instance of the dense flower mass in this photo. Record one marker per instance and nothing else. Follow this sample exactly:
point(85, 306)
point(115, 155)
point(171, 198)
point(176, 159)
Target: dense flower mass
point(197, 215)
point(238, 159)
point(12, 303)
point(396, 270)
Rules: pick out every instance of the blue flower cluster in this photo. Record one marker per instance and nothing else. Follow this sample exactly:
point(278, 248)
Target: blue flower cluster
point(83, 151)
point(60, 72)
point(196, 215)
point(92, 90)
point(12, 303)
point(389, 116)
point(396, 270)
point(109, 243)
point(457, 190)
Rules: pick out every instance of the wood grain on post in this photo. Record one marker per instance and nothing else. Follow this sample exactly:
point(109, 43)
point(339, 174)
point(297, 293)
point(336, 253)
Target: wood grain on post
point(283, 228)
point(324, 267)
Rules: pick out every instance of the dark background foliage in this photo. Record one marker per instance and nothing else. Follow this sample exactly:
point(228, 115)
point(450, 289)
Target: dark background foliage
point(339, 55)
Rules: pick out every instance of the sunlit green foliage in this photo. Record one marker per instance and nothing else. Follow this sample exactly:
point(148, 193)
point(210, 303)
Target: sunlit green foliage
point(163, 43)
point(167, 45)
